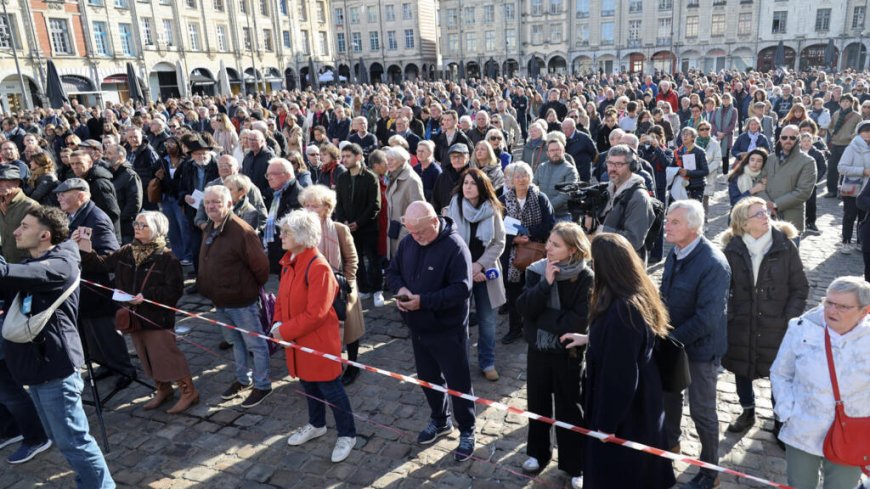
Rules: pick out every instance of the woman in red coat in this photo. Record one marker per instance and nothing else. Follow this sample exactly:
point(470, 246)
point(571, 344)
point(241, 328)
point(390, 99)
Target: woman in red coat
point(304, 315)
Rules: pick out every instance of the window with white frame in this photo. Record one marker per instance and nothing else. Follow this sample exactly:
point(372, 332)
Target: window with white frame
point(222, 38)
point(555, 7)
point(374, 41)
point(510, 39)
point(780, 21)
point(634, 29)
point(321, 12)
point(147, 28)
point(392, 43)
point(409, 39)
point(581, 9)
point(452, 17)
point(305, 48)
point(219, 5)
point(59, 33)
point(372, 14)
point(823, 20)
point(267, 40)
point(537, 34)
point(122, 4)
point(288, 42)
point(247, 38)
point(717, 25)
point(407, 11)
point(468, 15)
point(264, 7)
point(193, 34)
point(353, 12)
point(510, 11)
point(169, 32)
point(338, 13)
point(356, 41)
point(858, 14)
point(537, 7)
point(692, 26)
point(453, 43)
point(744, 24)
point(606, 37)
point(390, 13)
point(101, 38)
point(470, 41)
point(340, 42)
point(488, 14)
point(489, 41)
point(555, 33)
point(323, 38)
point(9, 32)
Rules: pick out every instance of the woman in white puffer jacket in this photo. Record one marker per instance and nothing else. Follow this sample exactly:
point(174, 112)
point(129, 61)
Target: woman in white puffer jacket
point(802, 385)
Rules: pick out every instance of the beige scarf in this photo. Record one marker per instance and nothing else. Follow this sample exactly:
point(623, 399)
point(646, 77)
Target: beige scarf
point(329, 244)
point(747, 180)
point(141, 251)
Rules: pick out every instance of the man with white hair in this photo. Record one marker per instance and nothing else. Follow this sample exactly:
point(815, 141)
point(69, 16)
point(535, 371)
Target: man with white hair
point(695, 288)
point(581, 147)
point(480, 129)
point(339, 127)
point(159, 135)
point(283, 198)
point(667, 94)
point(402, 130)
point(256, 162)
point(232, 268)
point(366, 140)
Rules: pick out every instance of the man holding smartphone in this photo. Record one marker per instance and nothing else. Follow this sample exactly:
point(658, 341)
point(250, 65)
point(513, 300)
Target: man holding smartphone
point(431, 277)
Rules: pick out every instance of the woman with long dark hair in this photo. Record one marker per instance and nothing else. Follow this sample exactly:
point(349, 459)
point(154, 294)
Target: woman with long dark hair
point(622, 387)
point(745, 179)
point(476, 214)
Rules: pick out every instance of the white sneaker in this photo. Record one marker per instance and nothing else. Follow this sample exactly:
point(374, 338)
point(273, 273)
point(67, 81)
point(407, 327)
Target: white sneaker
point(365, 295)
point(577, 482)
point(846, 248)
point(531, 465)
point(378, 299)
point(343, 446)
point(305, 434)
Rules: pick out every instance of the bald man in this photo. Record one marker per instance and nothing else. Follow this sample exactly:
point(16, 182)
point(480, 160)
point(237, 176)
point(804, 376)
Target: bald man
point(431, 277)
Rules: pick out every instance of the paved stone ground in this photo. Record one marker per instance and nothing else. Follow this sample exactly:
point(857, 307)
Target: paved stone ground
point(217, 444)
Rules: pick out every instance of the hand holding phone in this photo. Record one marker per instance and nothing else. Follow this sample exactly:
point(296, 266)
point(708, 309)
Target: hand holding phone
point(402, 298)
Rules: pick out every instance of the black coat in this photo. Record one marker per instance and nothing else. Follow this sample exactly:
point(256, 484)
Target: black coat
point(289, 201)
point(863, 202)
point(94, 302)
point(445, 184)
point(57, 351)
point(358, 201)
point(128, 189)
point(582, 148)
point(623, 396)
point(442, 146)
point(758, 314)
point(537, 315)
point(188, 183)
point(103, 195)
point(145, 163)
point(254, 167)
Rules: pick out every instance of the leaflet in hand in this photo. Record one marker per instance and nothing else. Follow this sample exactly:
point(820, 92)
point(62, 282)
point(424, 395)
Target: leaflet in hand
point(689, 162)
point(513, 226)
point(197, 198)
point(120, 296)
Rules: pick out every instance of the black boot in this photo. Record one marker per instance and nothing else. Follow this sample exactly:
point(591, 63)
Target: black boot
point(777, 425)
point(511, 336)
point(743, 422)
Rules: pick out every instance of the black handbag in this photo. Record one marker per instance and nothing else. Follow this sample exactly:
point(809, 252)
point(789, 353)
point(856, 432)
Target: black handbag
point(339, 304)
point(673, 362)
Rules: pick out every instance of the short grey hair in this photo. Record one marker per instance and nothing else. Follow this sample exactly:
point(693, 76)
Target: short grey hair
point(622, 150)
point(398, 153)
point(689, 130)
point(239, 181)
point(157, 223)
point(694, 213)
point(429, 145)
point(285, 164)
point(319, 194)
point(312, 147)
point(520, 167)
point(304, 226)
point(851, 285)
point(220, 191)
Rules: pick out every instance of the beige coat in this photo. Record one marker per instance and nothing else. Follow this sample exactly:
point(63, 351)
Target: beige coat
point(790, 184)
point(405, 187)
point(355, 325)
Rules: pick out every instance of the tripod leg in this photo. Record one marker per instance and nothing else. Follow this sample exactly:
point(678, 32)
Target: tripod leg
point(98, 405)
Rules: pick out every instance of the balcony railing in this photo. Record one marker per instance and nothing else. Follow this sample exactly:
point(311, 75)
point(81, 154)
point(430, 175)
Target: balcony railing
point(634, 43)
point(663, 41)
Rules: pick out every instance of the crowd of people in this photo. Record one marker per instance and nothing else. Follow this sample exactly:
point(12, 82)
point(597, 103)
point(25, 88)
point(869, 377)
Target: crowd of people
point(455, 207)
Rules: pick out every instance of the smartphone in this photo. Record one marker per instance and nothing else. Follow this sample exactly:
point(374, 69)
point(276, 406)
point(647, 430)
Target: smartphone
point(402, 298)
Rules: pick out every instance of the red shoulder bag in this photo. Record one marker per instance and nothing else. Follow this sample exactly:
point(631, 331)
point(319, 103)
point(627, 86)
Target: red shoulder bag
point(848, 439)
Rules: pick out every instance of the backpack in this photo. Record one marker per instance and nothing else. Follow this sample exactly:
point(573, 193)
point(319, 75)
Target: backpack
point(658, 221)
point(344, 289)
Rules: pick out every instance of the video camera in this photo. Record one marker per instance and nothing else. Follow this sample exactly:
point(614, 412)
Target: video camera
point(585, 199)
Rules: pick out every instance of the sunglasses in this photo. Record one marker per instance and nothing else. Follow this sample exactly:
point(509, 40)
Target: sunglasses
point(787, 138)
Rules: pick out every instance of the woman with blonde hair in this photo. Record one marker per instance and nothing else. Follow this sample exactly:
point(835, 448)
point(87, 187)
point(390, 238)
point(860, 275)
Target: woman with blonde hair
point(336, 245)
point(485, 159)
point(622, 388)
point(496, 139)
point(303, 174)
point(225, 135)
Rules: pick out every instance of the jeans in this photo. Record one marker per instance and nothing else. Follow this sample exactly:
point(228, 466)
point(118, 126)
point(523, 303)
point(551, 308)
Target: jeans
point(442, 358)
point(17, 413)
point(833, 173)
point(179, 229)
point(369, 276)
point(59, 405)
point(333, 392)
point(702, 408)
point(486, 326)
point(248, 318)
point(744, 391)
point(850, 214)
point(802, 469)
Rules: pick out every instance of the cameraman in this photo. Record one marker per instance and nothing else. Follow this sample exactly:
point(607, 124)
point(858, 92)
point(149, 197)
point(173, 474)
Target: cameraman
point(629, 211)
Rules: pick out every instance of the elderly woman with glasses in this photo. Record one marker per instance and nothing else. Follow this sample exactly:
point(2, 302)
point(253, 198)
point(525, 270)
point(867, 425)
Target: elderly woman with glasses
point(404, 187)
point(337, 246)
point(485, 159)
point(768, 286)
point(146, 269)
point(496, 139)
point(801, 381)
point(305, 316)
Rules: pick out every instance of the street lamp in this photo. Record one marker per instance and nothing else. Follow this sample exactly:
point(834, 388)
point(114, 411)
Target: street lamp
point(24, 92)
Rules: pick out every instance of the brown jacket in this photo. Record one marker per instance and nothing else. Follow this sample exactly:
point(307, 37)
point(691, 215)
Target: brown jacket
point(232, 264)
point(354, 324)
point(9, 222)
point(165, 283)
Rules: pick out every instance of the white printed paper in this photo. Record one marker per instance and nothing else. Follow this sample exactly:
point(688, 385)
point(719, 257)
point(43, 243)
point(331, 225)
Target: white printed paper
point(511, 225)
point(120, 296)
point(197, 198)
point(689, 162)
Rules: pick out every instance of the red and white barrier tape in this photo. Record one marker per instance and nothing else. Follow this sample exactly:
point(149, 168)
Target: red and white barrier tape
point(603, 437)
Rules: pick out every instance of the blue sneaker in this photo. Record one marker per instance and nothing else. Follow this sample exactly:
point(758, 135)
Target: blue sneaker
point(466, 447)
point(27, 452)
point(5, 442)
point(433, 432)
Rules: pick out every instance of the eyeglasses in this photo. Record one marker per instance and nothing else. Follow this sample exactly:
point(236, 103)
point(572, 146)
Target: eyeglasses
point(495, 138)
point(139, 225)
point(616, 163)
point(760, 214)
point(787, 138)
point(704, 129)
point(838, 307)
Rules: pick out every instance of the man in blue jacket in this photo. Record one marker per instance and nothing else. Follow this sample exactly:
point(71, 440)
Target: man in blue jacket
point(49, 365)
point(695, 287)
point(431, 277)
